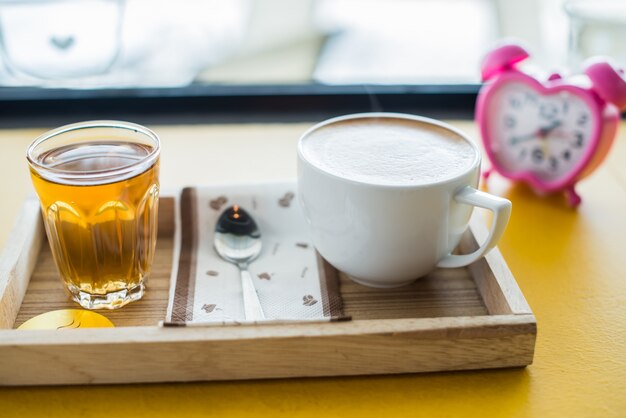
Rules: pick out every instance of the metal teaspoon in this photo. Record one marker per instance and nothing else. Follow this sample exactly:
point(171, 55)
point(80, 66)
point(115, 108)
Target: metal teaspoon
point(238, 240)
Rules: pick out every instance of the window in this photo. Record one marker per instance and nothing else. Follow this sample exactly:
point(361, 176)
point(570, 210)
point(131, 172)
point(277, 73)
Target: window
point(278, 56)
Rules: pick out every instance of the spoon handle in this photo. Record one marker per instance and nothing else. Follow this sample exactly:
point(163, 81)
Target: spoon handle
point(251, 304)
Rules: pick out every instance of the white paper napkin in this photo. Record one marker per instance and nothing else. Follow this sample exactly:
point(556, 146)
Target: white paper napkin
point(291, 279)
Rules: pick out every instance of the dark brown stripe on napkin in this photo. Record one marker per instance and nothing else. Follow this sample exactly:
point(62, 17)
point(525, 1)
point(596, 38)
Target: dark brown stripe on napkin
point(182, 309)
point(329, 287)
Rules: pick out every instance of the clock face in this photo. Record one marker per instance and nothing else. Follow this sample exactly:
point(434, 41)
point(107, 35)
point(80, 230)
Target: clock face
point(546, 135)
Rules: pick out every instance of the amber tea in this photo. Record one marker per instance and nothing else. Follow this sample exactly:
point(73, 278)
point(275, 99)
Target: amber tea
point(98, 189)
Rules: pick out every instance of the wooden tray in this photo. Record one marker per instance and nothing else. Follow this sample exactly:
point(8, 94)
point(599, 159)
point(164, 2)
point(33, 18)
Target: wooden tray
point(455, 319)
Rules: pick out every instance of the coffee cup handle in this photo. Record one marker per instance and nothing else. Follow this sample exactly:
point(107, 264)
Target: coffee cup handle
point(501, 209)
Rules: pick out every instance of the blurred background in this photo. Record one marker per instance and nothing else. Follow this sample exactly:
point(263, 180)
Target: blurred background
point(98, 49)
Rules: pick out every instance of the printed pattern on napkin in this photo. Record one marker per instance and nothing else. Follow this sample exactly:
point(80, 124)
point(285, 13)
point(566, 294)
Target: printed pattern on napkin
point(291, 279)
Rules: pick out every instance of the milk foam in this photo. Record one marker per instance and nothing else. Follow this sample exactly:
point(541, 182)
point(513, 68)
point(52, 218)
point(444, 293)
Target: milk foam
point(389, 151)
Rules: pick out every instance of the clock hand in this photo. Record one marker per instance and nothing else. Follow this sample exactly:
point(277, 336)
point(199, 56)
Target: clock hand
point(543, 132)
point(540, 134)
point(517, 139)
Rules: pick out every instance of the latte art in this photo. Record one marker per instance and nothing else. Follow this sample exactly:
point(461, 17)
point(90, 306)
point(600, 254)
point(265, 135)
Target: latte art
point(388, 151)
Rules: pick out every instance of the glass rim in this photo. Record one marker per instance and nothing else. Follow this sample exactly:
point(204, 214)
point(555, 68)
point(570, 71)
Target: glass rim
point(94, 176)
point(595, 11)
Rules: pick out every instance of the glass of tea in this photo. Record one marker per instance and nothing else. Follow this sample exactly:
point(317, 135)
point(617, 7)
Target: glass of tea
point(98, 184)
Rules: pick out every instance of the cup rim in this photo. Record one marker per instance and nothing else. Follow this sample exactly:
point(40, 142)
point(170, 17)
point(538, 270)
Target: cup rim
point(92, 177)
point(391, 115)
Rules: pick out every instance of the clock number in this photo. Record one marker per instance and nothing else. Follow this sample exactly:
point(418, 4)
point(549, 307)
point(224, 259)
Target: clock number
point(580, 138)
point(565, 106)
point(567, 155)
point(548, 111)
point(515, 103)
point(537, 155)
point(554, 163)
point(582, 119)
point(522, 154)
point(529, 97)
point(509, 121)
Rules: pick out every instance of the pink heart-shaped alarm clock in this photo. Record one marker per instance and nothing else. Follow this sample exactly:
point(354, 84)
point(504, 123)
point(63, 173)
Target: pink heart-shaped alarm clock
point(548, 133)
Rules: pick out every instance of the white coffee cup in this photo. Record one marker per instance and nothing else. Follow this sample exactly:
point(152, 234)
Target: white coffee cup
point(389, 233)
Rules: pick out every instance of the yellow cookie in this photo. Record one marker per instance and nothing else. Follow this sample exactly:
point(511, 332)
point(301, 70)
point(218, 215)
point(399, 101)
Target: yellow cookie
point(67, 318)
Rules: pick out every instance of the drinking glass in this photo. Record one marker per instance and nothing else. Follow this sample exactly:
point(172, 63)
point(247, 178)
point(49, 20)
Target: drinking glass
point(597, 27)
point(98, 184)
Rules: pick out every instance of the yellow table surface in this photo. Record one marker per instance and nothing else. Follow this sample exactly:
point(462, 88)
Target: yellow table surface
point(570, 264)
